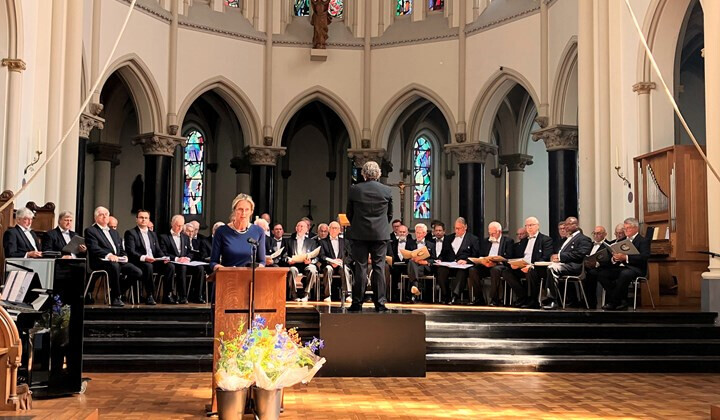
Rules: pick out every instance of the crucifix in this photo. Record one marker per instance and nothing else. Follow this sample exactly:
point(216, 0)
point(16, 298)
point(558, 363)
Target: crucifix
point(401, 185)
point(309, 206)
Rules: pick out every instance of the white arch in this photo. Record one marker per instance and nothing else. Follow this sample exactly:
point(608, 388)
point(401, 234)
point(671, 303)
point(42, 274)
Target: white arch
point(491, 96)
point(397, 104)
point(238, 101)
point(565, 91)
point(318, 93)
point(144, 90)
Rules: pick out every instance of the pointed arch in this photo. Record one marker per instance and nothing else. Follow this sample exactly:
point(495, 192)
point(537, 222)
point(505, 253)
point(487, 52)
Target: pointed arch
point(238, 101)
point(318, 93)
point(661, 26)
point(491, 96)
point(565, 90)
point(144, 90)
point(398, 103)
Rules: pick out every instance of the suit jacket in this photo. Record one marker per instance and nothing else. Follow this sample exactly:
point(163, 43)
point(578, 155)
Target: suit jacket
point(270, 247)
point(98, 246)
point(16, 244)
point(575, 251)
point(206, 247)
point(309, 244)
point(542, 251)
point(327, 251)
point(167, 245)
point(504, 250)
point(369, 210)
point(410, 245)
point(638, 263)
point(430, 245)
point(469, 247)
point(135, 246)
point(54, 240)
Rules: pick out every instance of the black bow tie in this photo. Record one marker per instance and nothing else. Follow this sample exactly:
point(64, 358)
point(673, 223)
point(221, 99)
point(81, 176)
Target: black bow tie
point(402, 241)
point(439, 239)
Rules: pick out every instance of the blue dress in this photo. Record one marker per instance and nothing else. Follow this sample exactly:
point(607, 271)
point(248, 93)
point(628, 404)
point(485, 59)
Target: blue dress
point(232, 249)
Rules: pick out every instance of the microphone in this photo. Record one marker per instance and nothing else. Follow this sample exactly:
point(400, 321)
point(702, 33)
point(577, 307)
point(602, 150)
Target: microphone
point(252, 241)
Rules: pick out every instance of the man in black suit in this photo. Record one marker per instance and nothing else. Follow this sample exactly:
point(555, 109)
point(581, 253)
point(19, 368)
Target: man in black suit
point(534, 248)
point(568, 261)
point(143, 249)
point(20, 241)
point(420, 267)
point(335, 261)
point(457, 247)
point(369, 210)
point(402, 241)
point(274, 243)
point(496, 244)
point(206, 242)
point(176, 245)
point(105, 249)
point(600, 253)
point(624, 268)
point(302, 244)
point(56, 239)
point(562, 235)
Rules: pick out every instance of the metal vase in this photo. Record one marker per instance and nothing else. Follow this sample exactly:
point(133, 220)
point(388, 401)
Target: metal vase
point(267, 403)
point(231, 404)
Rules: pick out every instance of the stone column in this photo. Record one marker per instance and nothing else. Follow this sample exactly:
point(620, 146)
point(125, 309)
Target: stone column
point(544, 108)
point(561, 142)
point(710, 296)
point(242, 174)
point(55, 129)
point(471, 161)
point(586, 115)
point(361, 156)
point(643, 90)
point(515, 164)
point(263, 160)
point(159, 150)
point(12, 122)
point(87, 123)
point(106, 157)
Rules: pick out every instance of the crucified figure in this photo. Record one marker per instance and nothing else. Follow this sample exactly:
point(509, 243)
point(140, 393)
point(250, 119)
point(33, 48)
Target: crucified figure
point(320, 20)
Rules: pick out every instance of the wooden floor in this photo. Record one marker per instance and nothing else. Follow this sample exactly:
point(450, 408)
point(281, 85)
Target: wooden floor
point(439, 396)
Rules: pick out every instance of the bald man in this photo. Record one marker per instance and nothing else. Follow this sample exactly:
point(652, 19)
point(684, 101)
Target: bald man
point(536, 247)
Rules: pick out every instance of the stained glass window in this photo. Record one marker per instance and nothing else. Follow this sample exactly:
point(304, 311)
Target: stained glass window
point(302, 7)
point(436, 4)
point(422, 190)
point(194, 170)
point(335, 9)
point(404, 7)
point(232, 3)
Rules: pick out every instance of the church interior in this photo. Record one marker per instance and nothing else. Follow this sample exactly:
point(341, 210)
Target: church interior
point(479, 110)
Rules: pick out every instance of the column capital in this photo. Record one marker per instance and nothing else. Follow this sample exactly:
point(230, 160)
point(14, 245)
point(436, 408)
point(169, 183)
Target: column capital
point(240, 164)
point(460, 137)
point(159, 144)
point(471, 152)
point(88, 122)
point(14, 64)
point(558, 137)
point(107, 152)
point(516, 162)
point(264, 155)
point(643, 87)
point(361, 156)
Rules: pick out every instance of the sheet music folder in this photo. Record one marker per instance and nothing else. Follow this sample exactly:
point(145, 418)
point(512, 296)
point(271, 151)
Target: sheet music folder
point(73, 246)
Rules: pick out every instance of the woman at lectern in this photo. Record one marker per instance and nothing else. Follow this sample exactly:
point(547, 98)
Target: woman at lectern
point(233, 243)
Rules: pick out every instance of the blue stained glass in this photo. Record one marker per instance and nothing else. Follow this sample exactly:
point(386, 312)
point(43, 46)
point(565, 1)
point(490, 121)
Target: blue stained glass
point(436, 4)
point(422, 188)
point(302, 7)
point(194, 173)
point(404, 7)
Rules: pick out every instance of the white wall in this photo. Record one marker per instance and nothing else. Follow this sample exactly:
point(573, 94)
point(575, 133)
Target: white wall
point(536, 185)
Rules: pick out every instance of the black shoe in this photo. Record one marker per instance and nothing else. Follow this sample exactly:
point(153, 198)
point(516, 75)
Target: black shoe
point(454, 300)
point(623, 306)
point(608, 307)
point(169, 300)
point(381, 308)
point(496, 302)
point(183, 301)
point(531, 304)
point(201, 301)
point(551, 306)
point(117, 303)
point(150, 301)
point(479, 302)
point(355, 307)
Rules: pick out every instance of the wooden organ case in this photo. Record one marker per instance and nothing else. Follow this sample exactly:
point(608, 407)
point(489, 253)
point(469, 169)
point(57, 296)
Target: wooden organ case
point(671, 199)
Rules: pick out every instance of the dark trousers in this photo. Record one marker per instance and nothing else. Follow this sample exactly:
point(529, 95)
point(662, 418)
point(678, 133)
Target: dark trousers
point(186, 290)
point(396, 270)
point(615, 280)
point(377, 251)
point(114, 271)
point(454, 287)
point(590, 285)
point(415, 271)
point(533, 276)
point(159, 267)
point(478, 272)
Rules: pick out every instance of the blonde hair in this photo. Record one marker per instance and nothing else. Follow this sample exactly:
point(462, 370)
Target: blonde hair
point(243, 197)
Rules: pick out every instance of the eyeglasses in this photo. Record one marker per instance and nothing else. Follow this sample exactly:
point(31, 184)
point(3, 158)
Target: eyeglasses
point(531, 224)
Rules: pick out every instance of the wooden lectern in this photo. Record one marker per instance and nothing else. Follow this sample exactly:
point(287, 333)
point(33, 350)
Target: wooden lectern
point(232, 301)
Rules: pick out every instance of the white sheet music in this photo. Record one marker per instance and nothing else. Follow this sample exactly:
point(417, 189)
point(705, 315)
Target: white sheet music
point(8, 285)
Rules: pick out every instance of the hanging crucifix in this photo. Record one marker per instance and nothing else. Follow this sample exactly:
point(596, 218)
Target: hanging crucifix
point(309, 206)
point(401, 186)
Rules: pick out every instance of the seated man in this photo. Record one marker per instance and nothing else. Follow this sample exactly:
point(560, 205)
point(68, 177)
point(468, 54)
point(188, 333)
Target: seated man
point(323, 230)
point(623, 268)
point(274, 243)
point(402, 241)
point(592, 265)
point(302, 244)
point(19, 241)
point(112, 223)
point(535, 247)
point(420, 267)
point(496, 244)
point(105, 250)
point(195, 251)
point(176, 245)
point(206, 242)
point(143, 249)
point(619, 233)
point(335, 260)
point(457, 247)
point(568, 261)
point(56, 239)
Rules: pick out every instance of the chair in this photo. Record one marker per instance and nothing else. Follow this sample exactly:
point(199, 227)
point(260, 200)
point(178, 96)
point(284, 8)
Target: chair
point(98, 274)
point(640, 280)
point(579, 280)
point(405, 277)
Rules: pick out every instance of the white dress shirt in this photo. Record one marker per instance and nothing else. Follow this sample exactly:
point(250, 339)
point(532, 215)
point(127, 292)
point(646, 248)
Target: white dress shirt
point(596, 247)
point(529, 249)
point(401, 246)
point(567, 240)
point(146, 241)
point(494, 248)
point(456, 243)
point(176, 239)
point(438, 246)
point(106, 232)
point(336, 246)
point(29, 237)
point(66, 236)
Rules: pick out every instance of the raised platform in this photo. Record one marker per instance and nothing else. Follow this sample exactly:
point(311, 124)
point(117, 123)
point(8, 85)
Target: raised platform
point(176, 338)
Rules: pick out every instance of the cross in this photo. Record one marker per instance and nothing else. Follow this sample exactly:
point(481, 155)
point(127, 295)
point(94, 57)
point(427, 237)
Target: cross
point(402, 185)
point(309, 206)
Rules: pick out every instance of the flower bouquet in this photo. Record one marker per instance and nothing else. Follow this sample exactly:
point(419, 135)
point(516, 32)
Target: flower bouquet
point(234, 368)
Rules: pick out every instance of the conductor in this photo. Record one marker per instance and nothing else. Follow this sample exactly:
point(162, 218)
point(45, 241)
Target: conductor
point(369, 211)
